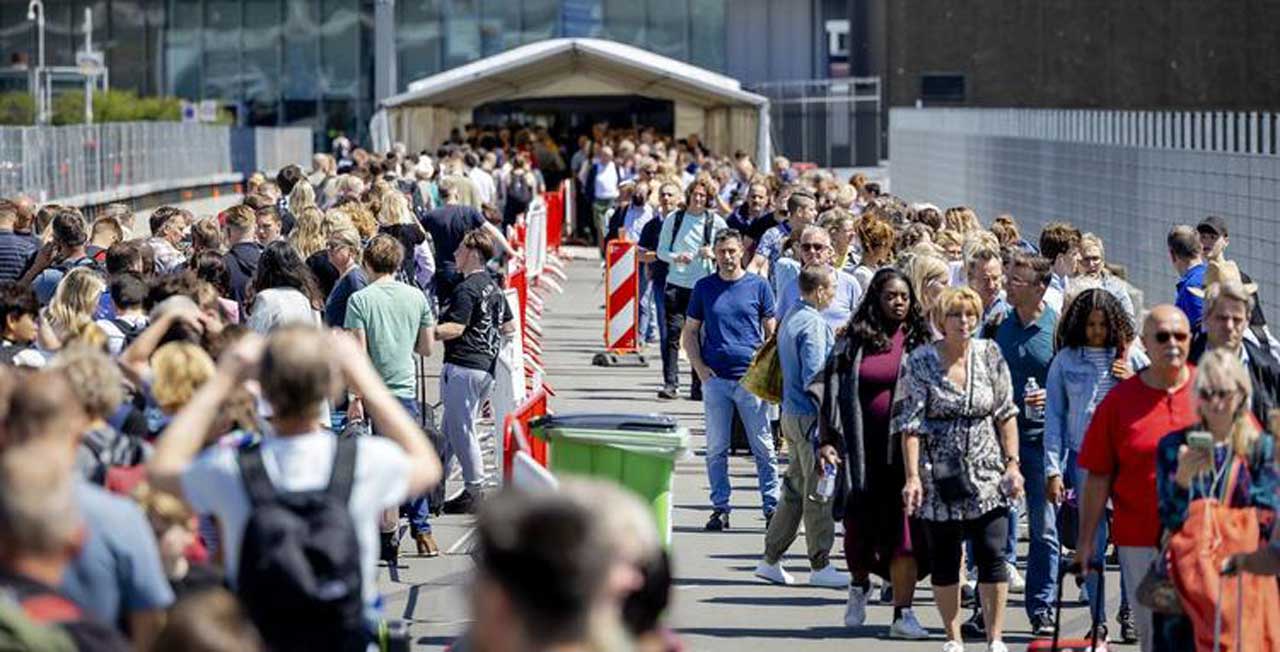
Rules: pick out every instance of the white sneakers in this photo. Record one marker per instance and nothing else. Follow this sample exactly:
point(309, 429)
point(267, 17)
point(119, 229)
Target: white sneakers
point(774, 573)
point(1016, 582)
point(957, 646)
point(855, 612)
point(828, 577)
point(907, 627)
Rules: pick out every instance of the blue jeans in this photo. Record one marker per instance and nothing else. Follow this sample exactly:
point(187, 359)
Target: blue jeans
point(1044, 550)
point(647, 326)
point(418, 508)
point(719, 398)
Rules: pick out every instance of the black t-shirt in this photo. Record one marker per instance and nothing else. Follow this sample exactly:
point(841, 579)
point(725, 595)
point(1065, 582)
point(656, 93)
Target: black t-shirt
point(324, 271)
point(649, 236)
point(410, 236)
point(447, 225)
point(479, 305)
point(757, 228)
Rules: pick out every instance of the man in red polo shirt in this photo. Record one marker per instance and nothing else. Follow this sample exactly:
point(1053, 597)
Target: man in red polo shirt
point(1119, 452)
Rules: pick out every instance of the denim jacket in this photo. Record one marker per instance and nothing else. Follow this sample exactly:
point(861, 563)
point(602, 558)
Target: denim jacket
point(1074, 392)
point(804, 340)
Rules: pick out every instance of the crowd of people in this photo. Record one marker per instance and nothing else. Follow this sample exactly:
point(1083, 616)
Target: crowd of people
point(212, 434)
point(954, 380)
point(212, 424)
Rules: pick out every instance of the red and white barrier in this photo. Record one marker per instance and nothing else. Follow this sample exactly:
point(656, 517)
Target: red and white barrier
point(622, 308)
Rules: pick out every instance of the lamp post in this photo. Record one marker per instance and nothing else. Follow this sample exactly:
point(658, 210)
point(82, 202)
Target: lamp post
point(35, 11)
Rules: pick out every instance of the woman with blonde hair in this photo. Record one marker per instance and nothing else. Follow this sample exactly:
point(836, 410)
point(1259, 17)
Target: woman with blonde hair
point(302, 196)
point(308, 235)
point(876, 237)
point(954, 413)
point(962, 219)
point(1235, 463)
point(929, 277)
point(75, 301)
point(396, 219)
point(344, 250)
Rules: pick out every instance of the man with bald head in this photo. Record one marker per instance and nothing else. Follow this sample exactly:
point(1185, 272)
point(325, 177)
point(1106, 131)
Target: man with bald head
point(1119, 452)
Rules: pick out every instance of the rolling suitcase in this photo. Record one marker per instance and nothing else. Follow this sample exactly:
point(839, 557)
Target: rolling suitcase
point(1059, 644)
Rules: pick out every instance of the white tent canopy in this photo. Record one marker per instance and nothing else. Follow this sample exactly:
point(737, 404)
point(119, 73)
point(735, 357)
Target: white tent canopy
point(711, 105)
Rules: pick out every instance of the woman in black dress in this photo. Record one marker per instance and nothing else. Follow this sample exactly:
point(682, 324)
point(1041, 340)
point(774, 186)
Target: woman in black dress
point(857, 396)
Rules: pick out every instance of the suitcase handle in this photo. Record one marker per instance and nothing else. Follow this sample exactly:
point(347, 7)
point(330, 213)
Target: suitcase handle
point(1064, 570)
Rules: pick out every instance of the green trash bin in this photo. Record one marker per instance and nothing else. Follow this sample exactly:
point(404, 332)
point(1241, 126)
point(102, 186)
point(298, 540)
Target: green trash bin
point(637, 451)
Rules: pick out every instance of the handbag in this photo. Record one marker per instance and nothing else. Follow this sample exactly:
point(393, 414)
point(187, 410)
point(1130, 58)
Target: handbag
point(764, 375)
point(951, 477)
point(1156, 590)
point(1213, 532)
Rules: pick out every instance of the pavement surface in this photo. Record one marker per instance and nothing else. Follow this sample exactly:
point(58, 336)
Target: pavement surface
point(718, 603)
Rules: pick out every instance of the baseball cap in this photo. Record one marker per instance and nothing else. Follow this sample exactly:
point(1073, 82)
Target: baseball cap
point(1213, 224)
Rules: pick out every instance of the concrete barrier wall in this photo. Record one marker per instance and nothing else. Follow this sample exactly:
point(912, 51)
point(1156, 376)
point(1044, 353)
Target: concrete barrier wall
point(1126, 176)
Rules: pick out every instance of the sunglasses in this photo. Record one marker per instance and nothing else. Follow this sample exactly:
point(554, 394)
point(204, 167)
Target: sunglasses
point(1213, 394)
point(813, 246)
point(1163, 337)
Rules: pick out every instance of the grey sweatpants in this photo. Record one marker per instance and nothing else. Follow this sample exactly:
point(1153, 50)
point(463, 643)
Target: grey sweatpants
point(463, 391)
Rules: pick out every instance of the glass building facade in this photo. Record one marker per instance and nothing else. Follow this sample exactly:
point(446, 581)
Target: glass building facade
point(310, 62)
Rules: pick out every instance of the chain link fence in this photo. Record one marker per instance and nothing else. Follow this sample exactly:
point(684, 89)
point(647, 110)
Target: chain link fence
point(833, 123)
point(78, 162)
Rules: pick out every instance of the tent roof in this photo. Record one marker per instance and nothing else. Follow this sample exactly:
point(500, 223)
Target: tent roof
point(522, 71)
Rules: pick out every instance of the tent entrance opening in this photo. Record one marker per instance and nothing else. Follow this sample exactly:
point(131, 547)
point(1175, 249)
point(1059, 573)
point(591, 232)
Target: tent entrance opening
point(568, 117)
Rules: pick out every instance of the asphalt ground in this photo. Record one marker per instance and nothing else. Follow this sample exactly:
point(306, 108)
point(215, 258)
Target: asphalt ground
point(718, 605)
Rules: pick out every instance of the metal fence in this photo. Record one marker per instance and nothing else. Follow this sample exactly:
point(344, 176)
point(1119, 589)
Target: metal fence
point(1127, 176)
point(830, 122)
point(281, 146)
point(75, 163)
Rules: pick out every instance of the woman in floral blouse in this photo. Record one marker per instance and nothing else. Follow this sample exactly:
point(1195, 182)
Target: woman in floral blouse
point(954, 410)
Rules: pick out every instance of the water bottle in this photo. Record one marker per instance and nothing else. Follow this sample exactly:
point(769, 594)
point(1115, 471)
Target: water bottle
point(1033, 413)
point(827, 485)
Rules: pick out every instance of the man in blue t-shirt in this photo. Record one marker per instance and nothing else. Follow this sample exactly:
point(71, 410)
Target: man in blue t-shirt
point(731, 314)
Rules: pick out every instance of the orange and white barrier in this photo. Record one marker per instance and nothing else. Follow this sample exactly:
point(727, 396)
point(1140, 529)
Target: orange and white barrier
point(622, 285)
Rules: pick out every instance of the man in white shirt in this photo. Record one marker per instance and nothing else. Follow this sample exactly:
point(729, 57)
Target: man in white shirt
point(604, 191)
point(294, 368)
point(485, 186)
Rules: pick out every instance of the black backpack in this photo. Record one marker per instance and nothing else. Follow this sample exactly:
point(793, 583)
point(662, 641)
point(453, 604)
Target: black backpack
point(299, 575)
point(130, 331)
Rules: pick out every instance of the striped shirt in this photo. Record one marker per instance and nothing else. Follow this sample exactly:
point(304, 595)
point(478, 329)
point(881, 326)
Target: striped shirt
point(16, 251)
point(1101, 359)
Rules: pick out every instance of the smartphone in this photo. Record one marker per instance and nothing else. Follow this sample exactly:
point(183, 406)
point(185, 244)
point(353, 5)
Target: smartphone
point(1200, 439)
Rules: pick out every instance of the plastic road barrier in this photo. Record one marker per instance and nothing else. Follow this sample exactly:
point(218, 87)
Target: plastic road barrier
point(637, 451)
point(622, 285)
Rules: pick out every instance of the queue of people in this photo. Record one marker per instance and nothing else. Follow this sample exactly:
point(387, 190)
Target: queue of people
point(226, 413)
point(960, 381)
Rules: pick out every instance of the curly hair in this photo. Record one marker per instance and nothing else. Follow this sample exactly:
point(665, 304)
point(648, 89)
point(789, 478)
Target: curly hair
point(872, 328)
point(1075, 320)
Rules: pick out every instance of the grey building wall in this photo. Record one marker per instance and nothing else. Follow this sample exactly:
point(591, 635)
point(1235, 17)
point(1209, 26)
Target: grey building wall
point(1126, 176)
point(1141, 54)
point(774, 40)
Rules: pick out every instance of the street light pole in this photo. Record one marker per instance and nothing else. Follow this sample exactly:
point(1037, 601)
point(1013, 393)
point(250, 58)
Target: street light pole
point(35, 11)
point(88, 80)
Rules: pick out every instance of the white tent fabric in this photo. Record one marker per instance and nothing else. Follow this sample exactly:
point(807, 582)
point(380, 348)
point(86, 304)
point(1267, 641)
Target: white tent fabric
point(707, 103)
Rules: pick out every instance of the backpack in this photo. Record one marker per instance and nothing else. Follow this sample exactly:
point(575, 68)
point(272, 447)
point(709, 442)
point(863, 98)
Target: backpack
point(707, 227)
point(130, 331)
point(299, 575)
point(110, 455)
point(87, 261)
point(10, 351)
point(31, 623)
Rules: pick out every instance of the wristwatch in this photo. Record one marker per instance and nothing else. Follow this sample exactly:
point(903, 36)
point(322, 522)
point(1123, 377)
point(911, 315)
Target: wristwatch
point(1012, 458)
